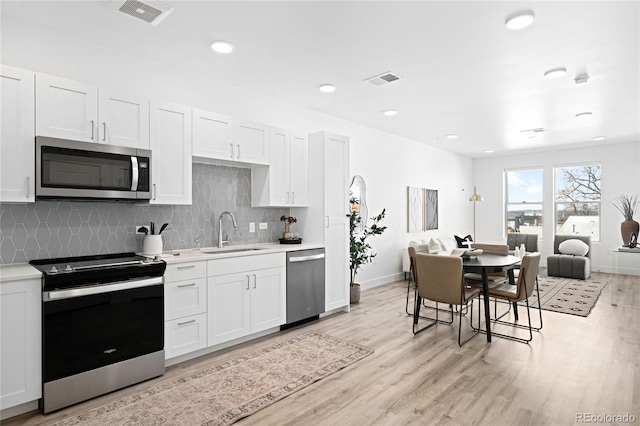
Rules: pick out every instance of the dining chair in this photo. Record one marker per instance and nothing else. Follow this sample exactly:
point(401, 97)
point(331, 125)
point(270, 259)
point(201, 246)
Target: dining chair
point(440, 279)
point(498, 249)
point(413, 249)
point(521, 292)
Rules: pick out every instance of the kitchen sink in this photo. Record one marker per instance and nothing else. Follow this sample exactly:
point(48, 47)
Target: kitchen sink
point(237, 250)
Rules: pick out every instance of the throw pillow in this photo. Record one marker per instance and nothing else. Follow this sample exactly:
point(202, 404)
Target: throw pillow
point(434, 246)
point(462, 241)
point(573, 246)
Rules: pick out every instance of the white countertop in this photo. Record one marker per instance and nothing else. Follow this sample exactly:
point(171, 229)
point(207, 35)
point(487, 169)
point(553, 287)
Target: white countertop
point(18, 271)
point(212, 253)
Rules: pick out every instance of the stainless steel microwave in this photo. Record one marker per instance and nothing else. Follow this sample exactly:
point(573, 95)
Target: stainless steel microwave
point(70, 169)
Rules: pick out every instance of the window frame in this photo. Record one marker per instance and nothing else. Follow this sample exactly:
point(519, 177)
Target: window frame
point(507, 203)
point(556, 202)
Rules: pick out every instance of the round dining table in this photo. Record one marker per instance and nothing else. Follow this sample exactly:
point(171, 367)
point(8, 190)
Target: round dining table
point(486, 264)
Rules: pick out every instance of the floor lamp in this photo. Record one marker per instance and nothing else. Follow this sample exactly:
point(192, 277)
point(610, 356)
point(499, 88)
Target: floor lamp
point(475, 198)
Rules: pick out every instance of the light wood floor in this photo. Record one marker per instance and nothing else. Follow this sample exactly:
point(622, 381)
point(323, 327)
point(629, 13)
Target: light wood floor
point(575, 365)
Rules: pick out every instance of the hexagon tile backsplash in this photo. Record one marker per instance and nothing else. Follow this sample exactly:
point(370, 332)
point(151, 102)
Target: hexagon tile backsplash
point(48, 229)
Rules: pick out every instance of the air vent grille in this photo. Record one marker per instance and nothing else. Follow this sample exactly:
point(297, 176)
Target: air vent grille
point(151, 12)
point(387, 77)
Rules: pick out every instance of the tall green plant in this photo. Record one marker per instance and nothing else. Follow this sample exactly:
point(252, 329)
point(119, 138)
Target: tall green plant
point(360, 249)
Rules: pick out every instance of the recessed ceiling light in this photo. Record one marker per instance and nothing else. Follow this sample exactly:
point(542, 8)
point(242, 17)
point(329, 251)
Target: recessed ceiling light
point(555, 73)
point(599, 138)
point(586, 114)
point(519, 20)
point(222, 47)
point(452, 136)
point(327, 88)
point(390, 112)
point(489, 151)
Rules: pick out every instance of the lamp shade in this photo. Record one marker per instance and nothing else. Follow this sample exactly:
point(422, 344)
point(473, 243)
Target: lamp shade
point(475, 197)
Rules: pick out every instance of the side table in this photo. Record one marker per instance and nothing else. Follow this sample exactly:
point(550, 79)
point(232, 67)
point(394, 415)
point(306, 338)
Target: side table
point(626, 287)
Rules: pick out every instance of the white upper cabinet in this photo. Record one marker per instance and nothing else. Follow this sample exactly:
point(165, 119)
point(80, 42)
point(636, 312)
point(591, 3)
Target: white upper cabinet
point(70, 109)
point(212, 135)
point(251, 142)
point(66, 109)
point(299, 171)
point(171, 153)
point(124, 119)
point(221, 137)
point(17, 135)
point(285, 182)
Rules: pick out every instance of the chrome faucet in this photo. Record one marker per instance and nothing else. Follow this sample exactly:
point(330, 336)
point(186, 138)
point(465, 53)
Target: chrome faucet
point(235, 225)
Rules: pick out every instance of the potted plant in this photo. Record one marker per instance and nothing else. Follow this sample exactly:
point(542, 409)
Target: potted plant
point(360, 249)
point(627, 204)
point(288, 220)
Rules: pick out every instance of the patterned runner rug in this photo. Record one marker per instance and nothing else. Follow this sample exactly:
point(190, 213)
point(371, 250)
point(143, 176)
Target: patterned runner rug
point(224, 393)
point(568, 296)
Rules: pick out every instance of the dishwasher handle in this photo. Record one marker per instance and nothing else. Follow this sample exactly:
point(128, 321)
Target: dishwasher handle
point(306, 258)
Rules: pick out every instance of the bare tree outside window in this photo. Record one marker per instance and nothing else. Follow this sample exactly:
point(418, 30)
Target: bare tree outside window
point(577, 197)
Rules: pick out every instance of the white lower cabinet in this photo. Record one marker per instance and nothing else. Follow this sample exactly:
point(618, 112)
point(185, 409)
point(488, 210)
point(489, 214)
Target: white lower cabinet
point(184, 335)
point(20, 342)
point(185, 308)
point(243, 300)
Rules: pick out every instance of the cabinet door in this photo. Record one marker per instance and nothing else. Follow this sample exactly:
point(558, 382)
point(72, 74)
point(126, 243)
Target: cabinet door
point(185, 335)
point(336, 175)
point(171, 153)
point(212, 135)
point(251, 142)
point(124, 120)
point(20, 344)
point(228, 307)
point(66, 109)
point(299, 171)
point(279, 167)
point(17, 135)
point(268, 298)
point(336, 243)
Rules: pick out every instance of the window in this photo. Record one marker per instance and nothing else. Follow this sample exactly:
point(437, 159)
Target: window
point(577, 200)
point(523, 206)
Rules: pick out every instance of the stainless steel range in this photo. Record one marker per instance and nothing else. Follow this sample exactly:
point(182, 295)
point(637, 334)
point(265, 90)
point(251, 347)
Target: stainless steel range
point(102, 325)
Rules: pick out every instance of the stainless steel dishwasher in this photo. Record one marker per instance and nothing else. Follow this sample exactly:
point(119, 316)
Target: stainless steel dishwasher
point(305, 285)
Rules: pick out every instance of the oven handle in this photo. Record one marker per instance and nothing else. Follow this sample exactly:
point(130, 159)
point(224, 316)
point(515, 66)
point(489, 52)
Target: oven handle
point(49, 296)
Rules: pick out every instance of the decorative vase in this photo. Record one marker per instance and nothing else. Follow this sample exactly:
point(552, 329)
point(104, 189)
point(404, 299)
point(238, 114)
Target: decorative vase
point(627, 228)
point(354, 293)
point(287, 231)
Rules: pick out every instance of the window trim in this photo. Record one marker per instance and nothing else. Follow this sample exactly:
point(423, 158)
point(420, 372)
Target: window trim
point(506, 203)
point(556, 202)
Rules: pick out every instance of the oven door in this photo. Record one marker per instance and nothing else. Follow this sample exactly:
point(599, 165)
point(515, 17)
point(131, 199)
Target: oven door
point(95, 326)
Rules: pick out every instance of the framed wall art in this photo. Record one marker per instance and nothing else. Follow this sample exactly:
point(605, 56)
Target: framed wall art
point(431, 209)
point(415, 209)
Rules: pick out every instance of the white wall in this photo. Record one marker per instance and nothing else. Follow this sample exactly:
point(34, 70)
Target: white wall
point(388, 163)
point(620, 175)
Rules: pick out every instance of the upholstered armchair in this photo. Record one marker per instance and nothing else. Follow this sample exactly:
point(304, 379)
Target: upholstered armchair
point(569, 259)
point(516, 239)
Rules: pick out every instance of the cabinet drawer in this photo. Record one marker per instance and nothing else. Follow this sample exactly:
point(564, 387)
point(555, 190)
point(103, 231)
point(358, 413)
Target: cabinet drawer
point(185, 335)
point(185, 271)
point(184, 298)
point(234, 265)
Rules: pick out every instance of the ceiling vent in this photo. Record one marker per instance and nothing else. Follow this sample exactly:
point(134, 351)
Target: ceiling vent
point(149, 11)
point(382, 79)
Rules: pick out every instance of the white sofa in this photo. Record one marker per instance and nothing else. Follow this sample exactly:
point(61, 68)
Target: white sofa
point(445, 245)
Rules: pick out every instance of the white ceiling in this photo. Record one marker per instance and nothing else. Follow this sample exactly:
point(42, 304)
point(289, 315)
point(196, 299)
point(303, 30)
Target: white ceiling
point(462, 71)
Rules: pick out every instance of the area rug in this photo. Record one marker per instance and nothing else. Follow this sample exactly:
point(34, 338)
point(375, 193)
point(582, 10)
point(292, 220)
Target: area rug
point(227, 392)
point(568, 296)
